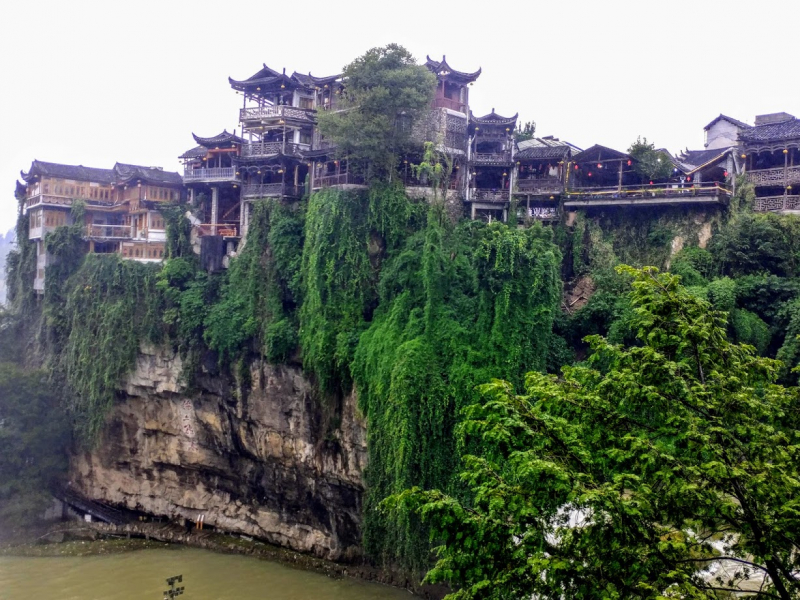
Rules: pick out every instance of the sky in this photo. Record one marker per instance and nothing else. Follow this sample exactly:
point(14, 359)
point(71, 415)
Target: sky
point(94, 83)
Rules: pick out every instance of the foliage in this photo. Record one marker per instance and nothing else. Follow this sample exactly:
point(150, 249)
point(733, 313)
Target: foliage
point(256, 311)
point(525, 132)
point(34, 435)
point(386, 94)
point(434, 169)
point(111, 306)
point(631, 474)
point(649, 163)
point(457, 305)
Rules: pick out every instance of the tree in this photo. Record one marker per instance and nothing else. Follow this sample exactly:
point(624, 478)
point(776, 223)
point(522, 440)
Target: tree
point(386, 94)
point(650, 164)
point(34, 435)
point(631, 474)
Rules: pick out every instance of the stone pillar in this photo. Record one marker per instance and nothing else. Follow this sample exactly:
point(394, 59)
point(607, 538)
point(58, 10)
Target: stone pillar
point(214, 209)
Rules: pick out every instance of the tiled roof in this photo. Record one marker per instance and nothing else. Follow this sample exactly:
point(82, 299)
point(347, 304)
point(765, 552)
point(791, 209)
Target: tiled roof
point(692, 159)
point(149, 174)
point(224, 138)
point(540, 152)
point(196, 152)
point(772, 132)
point(76, 172)
point(493, 119)
point(722, 117)
point(598, 153)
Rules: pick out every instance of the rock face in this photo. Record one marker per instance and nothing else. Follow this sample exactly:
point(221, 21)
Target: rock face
point(262, 461)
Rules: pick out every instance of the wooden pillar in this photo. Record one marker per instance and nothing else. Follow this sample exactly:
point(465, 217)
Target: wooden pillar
point(296, 174)
point(619, 184)
point(214, 209)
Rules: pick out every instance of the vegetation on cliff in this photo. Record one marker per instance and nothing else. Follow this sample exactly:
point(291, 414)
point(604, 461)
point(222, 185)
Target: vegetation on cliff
point(631, 473)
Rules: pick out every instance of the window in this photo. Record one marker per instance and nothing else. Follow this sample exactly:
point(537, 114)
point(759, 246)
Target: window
point(305, 138)
point(307, 103)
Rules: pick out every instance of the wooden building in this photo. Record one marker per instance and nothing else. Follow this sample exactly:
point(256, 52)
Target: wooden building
point(770, 152)
point(121, 208)
point(541, 168)
point(491, 161)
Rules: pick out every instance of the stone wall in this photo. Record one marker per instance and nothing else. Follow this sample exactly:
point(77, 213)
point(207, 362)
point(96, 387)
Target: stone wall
point(262, 461)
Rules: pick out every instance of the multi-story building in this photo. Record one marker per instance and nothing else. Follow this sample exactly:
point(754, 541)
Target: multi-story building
point(770, 152)
point(121, 208)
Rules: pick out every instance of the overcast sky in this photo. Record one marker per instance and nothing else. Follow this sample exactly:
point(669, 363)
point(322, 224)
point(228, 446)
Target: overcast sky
point(93, 83)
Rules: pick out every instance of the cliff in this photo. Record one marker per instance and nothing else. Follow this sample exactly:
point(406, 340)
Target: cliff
point(258, 461)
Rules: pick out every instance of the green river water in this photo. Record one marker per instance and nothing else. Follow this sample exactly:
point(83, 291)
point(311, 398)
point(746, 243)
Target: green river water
point(141, 575)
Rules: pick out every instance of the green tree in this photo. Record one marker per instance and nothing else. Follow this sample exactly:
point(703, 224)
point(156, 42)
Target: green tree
point(649, 163)
point(525, 132)
point(631, 474)
point(34, 435)
point(386, 94)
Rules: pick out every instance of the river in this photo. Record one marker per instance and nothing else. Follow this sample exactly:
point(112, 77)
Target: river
point(141, 575)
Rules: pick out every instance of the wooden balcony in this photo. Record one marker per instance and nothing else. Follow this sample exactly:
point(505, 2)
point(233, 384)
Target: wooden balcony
point(271, 190)
point(492, 158)
point(479, 195)
point(108, 232)
point(218, 174)
point(646, 195)
point(774, 177)
point(542, 186)
point(49, 200)
point(451, 104)
point(334, 180)
point(777, 203)
point(259, 149)
point(266, 113)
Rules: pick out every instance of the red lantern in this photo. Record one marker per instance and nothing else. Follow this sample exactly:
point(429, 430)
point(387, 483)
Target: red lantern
point(629, 163)
point(576, 167)
point(688, 178)
point(590, 173)
point(725, 174)
point(599, 166)
point(651, 183)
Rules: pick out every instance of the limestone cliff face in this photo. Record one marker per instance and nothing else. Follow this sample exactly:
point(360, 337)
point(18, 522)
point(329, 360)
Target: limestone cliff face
point(261, 461)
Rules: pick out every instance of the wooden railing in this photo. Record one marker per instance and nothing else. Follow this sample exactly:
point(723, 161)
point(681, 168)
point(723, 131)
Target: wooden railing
point(648, 191)
point(340, 179)
point(778, 176)
point(491, 158)
point(223, 229)
point(541, 186)
point(109, 232)
point(267, 190)
point(255, 149)
point(773, 203)
point(271, 112)
point(48, 199)
point(479, 195)
point(213, 174)
point(451, 104)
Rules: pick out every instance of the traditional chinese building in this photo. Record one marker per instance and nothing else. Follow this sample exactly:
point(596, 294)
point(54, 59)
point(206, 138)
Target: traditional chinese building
point(121, 208)
point(541, 167)
point(771, 154)
point(491, 158)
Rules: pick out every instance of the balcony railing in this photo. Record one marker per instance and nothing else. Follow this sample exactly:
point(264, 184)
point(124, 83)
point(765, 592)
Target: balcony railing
point(256, 149)
point(778, 176)
point(213, 174)
point(773, 203)
point(258, 113)
point(48, 199)
point(491, 158)
point(340, 179)
point(545, 185)
point(451, 104)
point(271, 190)
point(479, 195)
point(223, 229)
point(647, 194)
point(108, 232)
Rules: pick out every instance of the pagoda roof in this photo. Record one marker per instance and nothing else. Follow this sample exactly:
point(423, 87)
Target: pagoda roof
point(315, 82)
point(722, 117)
point(221, 139)
point(543, 152)
point(265, 80)
point(494, 119)
point(196, 152)
point(77, 172)
point(442, 69)
point(772, 132)
point(598, 153)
